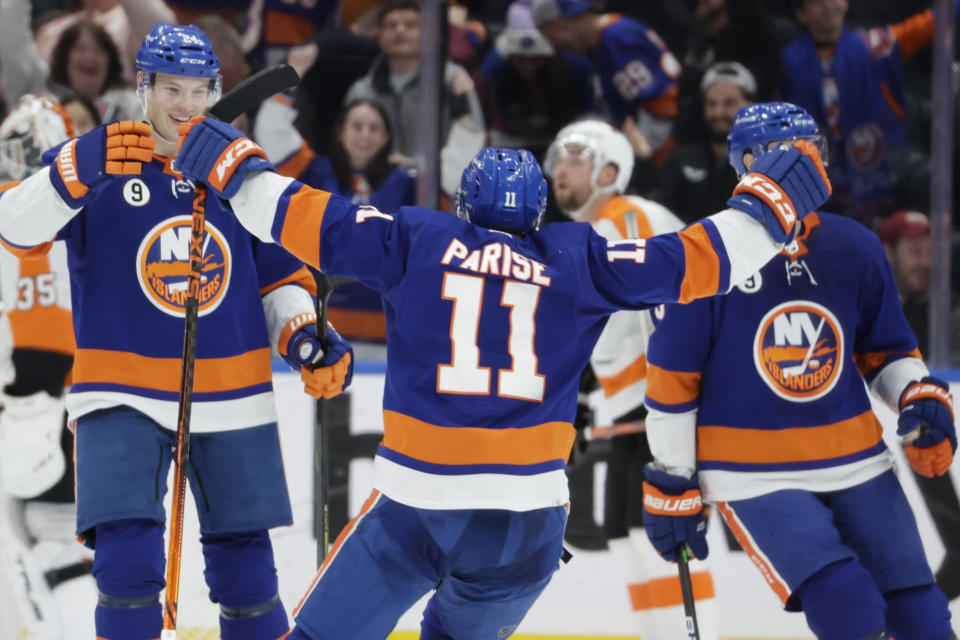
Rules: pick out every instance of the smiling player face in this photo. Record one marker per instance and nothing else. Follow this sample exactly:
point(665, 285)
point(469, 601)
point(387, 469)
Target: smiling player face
point(171, 101)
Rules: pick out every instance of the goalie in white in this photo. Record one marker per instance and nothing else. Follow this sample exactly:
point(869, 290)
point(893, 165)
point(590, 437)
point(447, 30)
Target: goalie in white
point(39, 555)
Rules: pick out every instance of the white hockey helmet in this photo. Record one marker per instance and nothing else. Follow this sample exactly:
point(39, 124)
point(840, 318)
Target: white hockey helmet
point(605, 144)
point(35, 124)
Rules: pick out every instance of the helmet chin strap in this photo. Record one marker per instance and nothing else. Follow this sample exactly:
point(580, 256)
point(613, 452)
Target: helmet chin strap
point(580, 214)
point(159, 135)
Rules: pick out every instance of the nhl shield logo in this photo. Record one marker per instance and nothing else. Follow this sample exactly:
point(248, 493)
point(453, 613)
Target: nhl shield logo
point(163, 264)
point(798, 350)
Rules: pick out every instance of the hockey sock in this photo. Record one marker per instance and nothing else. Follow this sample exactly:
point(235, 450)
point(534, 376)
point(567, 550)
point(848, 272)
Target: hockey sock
point(918, 613)
point(841, 601)
point(128, 567)
point(243, 581)
point(298, 634)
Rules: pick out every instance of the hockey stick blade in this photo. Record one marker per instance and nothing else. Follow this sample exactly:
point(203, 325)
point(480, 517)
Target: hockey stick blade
point(254, 90)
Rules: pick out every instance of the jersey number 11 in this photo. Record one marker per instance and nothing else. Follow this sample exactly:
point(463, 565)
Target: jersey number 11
point(464, 375)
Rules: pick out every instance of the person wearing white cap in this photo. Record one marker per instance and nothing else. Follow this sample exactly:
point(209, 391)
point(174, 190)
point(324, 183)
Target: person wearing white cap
point(638, 73)
point(697, 174)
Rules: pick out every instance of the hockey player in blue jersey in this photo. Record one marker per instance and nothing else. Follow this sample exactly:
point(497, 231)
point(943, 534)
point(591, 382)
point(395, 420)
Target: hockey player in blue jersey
point(757, 400)
point(124, 214)
point(489, 323)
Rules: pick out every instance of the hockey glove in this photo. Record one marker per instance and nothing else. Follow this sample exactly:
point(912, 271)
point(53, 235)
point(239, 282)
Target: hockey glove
point(213, 152)
point(85, 165)
point(926, 424)
point(783, 186)
point(673, 513)
point(324, 374)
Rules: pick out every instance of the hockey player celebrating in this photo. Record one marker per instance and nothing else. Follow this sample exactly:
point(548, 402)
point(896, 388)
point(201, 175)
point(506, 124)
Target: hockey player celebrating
point(124, 215)
point(757, 400)
point(489, 323)
point(590, 163)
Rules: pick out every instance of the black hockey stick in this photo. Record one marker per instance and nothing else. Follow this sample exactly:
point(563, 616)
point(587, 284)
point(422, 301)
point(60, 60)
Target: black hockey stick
point(321, 449)
point(686, 589)
point(238, 100)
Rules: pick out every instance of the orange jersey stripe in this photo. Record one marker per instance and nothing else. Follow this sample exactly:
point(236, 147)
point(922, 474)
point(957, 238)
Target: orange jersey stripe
point(672, 387)
point(914, 33)
point(616, 212)
point(40, 249)
point(301, 228)
point(701, 276)
point(633, 373)
point(359, 325)
point(798, 444)
point(301, 276)
point(867, 363)
point(665, 592)
point(338, 544)
point(895, 106)
point(163, 374)
point(759, 559)
point(297, 163)
point(663, 106)
point(474, 445)
point(43, 328)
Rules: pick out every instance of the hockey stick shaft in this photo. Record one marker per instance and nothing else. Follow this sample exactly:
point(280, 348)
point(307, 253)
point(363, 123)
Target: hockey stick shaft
point(686, 589)
point(239, 100)
point(178, 503)
point(321, 447)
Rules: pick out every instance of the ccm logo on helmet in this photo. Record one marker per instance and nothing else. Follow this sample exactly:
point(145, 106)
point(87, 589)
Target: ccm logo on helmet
point(775, 198)
point(238, 150)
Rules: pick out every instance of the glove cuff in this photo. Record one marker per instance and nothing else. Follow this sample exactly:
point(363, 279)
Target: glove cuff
point(927, 388)
point(65, 175)
point(657, 502)
point(298, 322)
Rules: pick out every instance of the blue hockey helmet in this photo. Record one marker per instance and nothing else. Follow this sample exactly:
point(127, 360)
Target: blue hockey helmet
point(503, 189)
point(180, 50)
point(757, 126)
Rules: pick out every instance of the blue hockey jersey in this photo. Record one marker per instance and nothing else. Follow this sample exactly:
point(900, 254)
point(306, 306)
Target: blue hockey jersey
point(638, 74)
point(127, 252)
point(487, 332)
point(763, 389)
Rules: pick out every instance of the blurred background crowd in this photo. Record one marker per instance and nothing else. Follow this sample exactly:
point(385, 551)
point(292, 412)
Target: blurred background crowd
point(670, 74)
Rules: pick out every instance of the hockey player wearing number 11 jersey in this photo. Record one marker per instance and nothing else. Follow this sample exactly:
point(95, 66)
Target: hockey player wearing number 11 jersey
point(761, 392)
point(489, 323)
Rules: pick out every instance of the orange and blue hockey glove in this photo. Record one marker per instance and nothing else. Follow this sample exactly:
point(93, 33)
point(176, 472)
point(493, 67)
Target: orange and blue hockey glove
point(84, 166)
point(926, 424)
point(783, 186)
point(325, 373)
point(673, 513)
point(218, 155)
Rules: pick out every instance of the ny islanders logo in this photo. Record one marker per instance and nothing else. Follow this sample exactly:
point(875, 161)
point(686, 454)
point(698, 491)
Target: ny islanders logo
point(798, 350)
point(163, 263)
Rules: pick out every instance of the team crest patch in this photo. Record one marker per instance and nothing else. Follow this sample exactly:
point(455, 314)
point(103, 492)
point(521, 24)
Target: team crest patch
point(798, 350)
point(163, 263)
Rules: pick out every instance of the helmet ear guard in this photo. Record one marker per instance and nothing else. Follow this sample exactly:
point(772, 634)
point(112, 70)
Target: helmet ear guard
point(757, 126)
point(503, 189)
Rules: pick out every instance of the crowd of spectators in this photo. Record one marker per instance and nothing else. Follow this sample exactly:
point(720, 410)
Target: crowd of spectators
point(516, 72)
